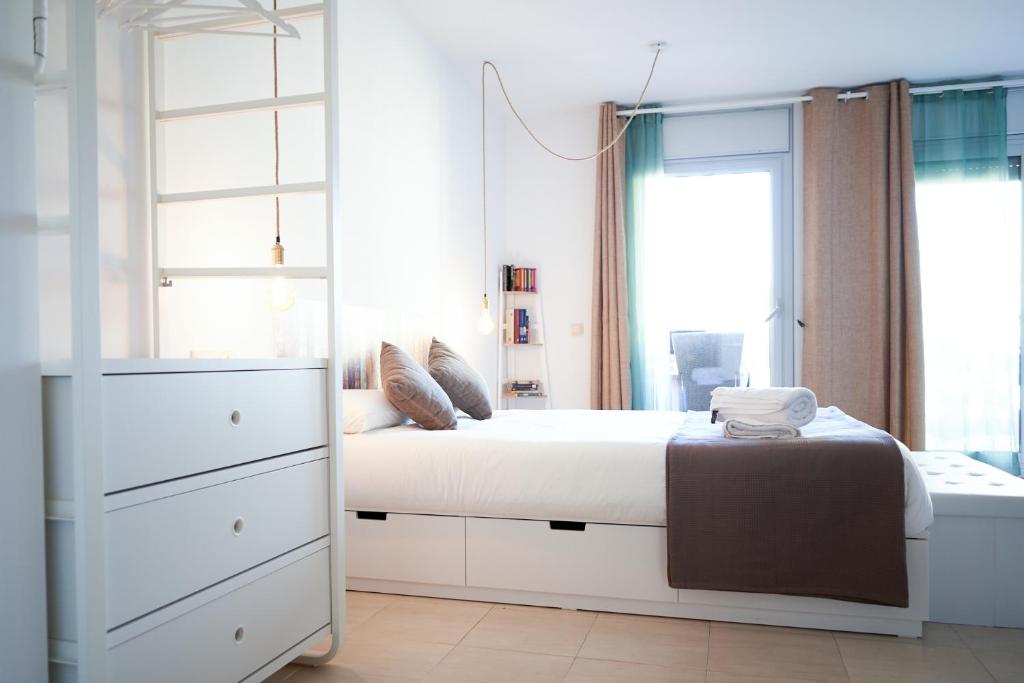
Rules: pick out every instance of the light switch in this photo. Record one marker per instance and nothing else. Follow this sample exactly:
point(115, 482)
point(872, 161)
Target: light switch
point(576, 329)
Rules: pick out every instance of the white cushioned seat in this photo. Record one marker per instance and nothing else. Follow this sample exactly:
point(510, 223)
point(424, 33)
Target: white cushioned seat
point(976, 542)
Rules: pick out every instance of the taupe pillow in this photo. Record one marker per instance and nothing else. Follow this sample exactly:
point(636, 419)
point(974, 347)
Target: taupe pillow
point(410, 389)
point(464, 385)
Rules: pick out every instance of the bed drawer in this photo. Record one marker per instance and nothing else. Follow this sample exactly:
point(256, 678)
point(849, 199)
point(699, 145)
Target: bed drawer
point(234, 635)
point(163, 550)
point(398, 547)
point(607, 560)
point(163, 426)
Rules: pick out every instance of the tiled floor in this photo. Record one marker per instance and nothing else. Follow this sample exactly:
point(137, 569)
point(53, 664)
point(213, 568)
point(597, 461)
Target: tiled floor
point(396, 639)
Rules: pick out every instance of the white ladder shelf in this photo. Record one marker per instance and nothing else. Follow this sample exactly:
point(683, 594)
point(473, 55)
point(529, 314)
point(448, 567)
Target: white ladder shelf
point(517, 360)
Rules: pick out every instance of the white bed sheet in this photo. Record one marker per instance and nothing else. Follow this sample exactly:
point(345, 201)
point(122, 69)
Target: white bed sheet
point(580, 465)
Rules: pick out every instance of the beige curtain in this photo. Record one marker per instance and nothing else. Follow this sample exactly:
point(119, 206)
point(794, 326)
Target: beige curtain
point(610, 386)
point(862, 287)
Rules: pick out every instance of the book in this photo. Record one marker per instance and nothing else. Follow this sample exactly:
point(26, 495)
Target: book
point(510, 326)
point(517, 326)
point(518, 279)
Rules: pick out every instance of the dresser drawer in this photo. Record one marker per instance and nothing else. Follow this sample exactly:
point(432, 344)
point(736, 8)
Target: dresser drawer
point(163, 426)
point(233, 636)
point(163, 550)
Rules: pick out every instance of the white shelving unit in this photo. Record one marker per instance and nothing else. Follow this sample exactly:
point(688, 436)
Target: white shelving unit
point(522, 362)
point(164, 277)
point(80, 539)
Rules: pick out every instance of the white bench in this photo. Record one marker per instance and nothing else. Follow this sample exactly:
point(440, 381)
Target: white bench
point(976, 544)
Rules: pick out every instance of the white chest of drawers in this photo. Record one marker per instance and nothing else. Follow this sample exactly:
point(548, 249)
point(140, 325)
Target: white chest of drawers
point(218, 539)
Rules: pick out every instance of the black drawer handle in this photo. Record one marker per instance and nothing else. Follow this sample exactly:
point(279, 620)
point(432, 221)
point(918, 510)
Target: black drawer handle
point(568, 526)
point(368, 514)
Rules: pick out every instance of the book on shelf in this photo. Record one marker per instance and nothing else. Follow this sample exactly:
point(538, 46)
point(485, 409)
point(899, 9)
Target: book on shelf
point(524, 385)
point(517, 279)
point(524, 388)
point(517, 326)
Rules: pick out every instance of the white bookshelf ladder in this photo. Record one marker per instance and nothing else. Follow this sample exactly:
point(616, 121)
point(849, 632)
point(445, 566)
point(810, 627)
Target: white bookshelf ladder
point(511, 356)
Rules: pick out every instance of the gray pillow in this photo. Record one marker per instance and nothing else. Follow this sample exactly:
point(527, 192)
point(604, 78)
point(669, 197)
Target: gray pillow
point(464, 385)
point(410, 389)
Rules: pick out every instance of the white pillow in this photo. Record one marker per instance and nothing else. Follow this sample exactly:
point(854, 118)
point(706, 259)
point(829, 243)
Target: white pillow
point(365, 409)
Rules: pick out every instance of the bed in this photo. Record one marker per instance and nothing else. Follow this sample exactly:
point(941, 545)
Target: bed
point(562, 508)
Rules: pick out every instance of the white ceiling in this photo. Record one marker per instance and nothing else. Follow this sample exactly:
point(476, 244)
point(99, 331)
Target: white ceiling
point(567, 53)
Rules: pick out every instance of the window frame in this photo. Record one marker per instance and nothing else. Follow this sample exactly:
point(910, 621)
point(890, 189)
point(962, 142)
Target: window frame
point(782, 336)
point(1015, 148)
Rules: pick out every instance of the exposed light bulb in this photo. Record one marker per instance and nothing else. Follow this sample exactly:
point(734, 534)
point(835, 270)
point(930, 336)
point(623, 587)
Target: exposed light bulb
point(485, 324)
point(282, 294)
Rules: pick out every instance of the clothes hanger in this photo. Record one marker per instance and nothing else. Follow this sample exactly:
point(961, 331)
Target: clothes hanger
point(196, 16)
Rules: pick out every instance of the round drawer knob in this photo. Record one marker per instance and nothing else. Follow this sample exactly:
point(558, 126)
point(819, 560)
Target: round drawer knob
point(238, 526)
point(236, 418)
point(239, 635)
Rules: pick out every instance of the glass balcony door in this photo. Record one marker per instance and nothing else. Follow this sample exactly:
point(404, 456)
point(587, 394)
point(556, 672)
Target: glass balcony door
point(718, 277)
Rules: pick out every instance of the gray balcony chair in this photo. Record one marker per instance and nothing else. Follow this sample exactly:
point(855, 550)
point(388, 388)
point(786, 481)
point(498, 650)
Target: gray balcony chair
point(705, 360)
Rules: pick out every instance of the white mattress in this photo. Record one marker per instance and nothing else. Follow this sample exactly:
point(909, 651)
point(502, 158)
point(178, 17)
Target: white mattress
point(580, 465)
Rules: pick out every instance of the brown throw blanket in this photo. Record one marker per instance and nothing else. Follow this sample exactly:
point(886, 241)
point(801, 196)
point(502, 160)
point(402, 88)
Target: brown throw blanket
point(821, 515)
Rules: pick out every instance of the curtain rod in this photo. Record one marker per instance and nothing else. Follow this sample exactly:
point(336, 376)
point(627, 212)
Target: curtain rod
point(848, 95)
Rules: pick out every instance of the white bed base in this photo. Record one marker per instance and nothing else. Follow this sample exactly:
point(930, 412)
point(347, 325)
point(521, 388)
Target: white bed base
point(600, 567)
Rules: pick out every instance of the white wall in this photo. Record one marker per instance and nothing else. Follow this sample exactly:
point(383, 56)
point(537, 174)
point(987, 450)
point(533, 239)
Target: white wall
point(549, 218)
point(411, 203)
point(22, 566)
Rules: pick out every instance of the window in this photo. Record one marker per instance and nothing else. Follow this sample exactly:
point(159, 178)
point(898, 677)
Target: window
point(970, 236)
point(718, 267)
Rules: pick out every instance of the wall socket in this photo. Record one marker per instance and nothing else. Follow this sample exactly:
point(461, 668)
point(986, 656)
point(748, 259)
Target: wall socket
point(576, 329)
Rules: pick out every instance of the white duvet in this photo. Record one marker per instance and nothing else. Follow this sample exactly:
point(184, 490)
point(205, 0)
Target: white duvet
point(581, 465)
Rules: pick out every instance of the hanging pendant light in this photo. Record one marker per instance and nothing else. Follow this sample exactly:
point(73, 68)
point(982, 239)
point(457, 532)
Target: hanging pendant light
point(282, 293)
point(485, 324)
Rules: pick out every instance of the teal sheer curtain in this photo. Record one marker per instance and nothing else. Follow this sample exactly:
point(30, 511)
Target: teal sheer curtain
point(960, 135)
point(645, 163)
point(970, 237)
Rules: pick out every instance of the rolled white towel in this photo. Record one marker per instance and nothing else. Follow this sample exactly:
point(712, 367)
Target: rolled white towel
point(796, 406)
point(751, 429)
